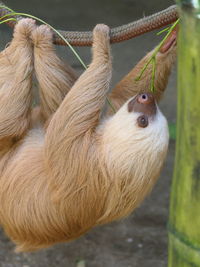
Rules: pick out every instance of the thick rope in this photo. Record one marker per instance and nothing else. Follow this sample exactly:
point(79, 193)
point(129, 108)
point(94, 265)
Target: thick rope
point(117, 34)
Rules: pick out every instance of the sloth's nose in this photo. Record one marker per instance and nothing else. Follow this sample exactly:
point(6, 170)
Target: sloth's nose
point(145, 98)
point(143, 103)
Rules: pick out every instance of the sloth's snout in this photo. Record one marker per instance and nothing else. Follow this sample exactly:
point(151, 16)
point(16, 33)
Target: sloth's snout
point(143, 103)
point(145, 98)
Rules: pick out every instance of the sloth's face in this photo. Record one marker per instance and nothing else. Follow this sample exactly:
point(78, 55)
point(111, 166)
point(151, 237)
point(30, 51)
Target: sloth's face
point(138, 131)
point(138, 119)
point(145, 105)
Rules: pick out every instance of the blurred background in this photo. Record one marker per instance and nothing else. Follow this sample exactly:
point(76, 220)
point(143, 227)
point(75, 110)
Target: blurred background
point(140, 239)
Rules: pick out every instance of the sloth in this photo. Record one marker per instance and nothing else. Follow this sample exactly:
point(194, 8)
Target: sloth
point(63, 167)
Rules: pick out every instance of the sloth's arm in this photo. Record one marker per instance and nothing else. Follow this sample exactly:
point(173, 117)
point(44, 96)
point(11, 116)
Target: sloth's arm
point(16, 70)
point(55, 78)
point(69, 133)
point(80, 110)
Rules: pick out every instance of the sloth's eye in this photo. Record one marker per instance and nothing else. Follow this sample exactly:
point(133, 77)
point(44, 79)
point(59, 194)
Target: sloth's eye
point(142, 121)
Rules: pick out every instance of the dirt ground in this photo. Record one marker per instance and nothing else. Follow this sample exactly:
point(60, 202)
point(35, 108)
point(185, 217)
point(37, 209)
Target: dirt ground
point(141, 239)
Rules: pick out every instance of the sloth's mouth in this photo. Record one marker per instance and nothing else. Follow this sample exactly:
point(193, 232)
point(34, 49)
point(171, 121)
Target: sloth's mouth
point(145, 104)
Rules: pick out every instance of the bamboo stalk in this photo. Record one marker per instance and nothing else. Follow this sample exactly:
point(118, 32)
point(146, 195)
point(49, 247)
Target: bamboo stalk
point(184, 222)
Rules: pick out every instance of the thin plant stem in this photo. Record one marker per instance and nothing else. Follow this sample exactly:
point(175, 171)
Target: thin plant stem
point(8, 15)
point(6, 20)
point(164, 30)
point(152, 88)
point(9, 9)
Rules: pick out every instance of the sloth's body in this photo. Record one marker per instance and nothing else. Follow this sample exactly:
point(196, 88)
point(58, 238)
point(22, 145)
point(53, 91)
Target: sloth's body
point(63, 170)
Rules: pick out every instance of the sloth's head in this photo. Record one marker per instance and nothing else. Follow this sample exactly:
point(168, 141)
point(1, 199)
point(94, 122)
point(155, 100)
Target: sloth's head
point(136, 136)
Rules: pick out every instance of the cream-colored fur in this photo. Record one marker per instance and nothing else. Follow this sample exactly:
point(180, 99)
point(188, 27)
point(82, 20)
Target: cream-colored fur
point(66, 170)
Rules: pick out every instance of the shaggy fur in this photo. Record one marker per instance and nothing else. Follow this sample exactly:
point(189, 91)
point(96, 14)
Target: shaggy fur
point(63, 170)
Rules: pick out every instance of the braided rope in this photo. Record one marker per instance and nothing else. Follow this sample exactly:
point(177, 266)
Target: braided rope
point(117, 34)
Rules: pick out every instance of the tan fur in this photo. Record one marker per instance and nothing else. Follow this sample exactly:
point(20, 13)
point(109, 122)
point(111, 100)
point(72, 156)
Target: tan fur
point(67, 170)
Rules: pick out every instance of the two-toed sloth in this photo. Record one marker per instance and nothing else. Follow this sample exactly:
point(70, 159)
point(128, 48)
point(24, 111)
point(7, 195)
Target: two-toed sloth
point(63, 168)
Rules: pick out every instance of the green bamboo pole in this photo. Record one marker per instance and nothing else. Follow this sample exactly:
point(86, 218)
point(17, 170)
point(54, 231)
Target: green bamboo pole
point(184, 221)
